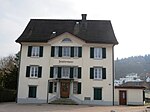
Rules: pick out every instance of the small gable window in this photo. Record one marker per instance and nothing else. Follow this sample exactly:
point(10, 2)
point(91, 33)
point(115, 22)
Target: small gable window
point(66, 40)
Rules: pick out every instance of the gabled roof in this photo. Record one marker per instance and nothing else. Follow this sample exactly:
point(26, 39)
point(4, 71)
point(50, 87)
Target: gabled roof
point(91, 31)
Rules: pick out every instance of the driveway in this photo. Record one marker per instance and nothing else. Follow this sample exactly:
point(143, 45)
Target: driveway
point(13, 107)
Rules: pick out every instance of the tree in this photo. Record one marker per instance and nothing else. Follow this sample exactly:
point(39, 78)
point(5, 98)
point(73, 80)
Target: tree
point(9, 71)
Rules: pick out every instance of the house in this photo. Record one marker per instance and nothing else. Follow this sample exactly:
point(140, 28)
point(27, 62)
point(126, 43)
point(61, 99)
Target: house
point(72, 59)
point(129, 95)
point(131, 77)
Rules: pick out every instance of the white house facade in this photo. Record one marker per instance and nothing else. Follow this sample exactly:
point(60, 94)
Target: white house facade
point(70, 59)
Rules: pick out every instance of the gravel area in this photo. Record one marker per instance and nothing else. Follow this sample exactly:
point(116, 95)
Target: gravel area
point(13, 107)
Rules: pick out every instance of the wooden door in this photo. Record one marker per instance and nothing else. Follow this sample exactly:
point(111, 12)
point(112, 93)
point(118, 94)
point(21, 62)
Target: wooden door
point(64, 89)
point(122, 97)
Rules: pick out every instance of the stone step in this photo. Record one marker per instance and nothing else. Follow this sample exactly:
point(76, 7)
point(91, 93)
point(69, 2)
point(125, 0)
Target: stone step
point(64, 101)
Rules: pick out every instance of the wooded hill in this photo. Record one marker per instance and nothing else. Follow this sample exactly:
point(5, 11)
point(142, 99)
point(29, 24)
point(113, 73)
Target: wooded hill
point(136, 64)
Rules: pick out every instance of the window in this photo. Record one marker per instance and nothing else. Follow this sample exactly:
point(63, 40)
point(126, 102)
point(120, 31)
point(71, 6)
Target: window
point(97, 93)
point(35, 51)
point(52, 87)
point(66, 51)
point(66, 40)
point(65, 72)
point(34, 71)
point(97, 73)
point(75, 72)
point(98, 53)
point(76, 87)
point(32, 91)
point(76, 51)
point(56, 51)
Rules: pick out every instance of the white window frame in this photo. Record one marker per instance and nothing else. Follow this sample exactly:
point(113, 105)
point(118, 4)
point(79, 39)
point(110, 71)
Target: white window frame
point(75, 87)
point(97, 73)
point(76, 51)
point(35, 51)
point(65, 72)
point(66, 51)
point(55, 74)
point(75, 72)
point(98, 53)
point(34, 71)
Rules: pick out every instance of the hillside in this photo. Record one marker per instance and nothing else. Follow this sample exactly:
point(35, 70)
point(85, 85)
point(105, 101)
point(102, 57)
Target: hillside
point(136, 64)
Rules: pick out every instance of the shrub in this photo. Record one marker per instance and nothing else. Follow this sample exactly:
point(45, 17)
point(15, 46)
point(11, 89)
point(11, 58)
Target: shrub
point(7, 95)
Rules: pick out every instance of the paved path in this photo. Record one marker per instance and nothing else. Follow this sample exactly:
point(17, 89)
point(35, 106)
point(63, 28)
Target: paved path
point(13, 107)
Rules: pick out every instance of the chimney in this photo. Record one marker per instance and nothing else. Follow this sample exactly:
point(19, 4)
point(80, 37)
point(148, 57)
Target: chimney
point(84, 17)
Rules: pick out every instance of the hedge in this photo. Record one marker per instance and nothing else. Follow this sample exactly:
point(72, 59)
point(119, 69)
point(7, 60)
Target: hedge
point(7, 95)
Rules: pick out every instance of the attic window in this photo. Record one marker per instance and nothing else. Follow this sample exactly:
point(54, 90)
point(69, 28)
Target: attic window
point(66, 40)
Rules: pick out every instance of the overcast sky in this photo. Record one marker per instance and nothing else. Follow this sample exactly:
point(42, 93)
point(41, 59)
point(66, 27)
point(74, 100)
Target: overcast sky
point(130, 20)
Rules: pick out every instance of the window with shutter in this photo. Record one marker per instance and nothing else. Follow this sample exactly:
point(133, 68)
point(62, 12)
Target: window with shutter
point(76, 87)
point(34, 71)
point(97, 53)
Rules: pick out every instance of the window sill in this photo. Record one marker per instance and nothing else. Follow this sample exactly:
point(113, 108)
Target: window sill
point(33, 77)
point(34, 56)
point(98, 79)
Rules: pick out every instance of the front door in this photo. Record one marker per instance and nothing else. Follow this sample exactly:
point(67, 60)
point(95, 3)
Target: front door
point(122, 97)
point(64, 89)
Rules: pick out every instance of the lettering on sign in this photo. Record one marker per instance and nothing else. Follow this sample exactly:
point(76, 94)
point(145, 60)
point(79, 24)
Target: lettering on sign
point(65, 61)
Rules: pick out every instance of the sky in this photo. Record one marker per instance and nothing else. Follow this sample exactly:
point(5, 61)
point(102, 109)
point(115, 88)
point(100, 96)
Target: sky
point(130, 20)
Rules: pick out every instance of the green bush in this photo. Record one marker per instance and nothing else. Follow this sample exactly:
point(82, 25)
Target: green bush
point(7, 95)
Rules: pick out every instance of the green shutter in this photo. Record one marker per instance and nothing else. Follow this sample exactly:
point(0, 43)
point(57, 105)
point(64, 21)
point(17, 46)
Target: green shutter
point(103, 52)
point(91, 52)
point(79, 72)
point(29, 50)
point(72, 51)
point(79, 87)
point(28, 71)
point(52, 51)
point(41, 51)
point(91, 73)
point(50, 87)
point(79, 51)
point(39, 72)
point(97, 94)
point(71, 72)
point(59, 72)
point(51, 72)
point(103, 73)
point(60, 51)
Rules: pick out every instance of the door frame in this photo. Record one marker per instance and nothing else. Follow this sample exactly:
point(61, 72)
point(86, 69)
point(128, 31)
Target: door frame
point(122, 101)
point(68, 89)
